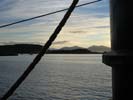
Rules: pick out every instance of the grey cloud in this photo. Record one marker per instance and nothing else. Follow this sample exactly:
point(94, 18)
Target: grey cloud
point(60, 42)
point(78, 32)
point(102, 27)
point(6, 5)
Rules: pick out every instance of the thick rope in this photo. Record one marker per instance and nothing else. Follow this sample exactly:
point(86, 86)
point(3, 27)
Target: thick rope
point(42, 52)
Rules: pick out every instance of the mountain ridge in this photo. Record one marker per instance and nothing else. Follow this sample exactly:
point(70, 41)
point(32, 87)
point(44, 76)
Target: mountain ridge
point(35, 48)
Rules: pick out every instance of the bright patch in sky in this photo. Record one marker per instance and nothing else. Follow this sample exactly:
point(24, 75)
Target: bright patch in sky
point(88, 25)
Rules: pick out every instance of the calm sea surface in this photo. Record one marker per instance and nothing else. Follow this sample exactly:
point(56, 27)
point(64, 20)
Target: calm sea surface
point(58, 77)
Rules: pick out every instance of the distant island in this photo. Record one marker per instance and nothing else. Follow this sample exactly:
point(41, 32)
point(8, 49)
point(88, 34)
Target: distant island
point(16, 49)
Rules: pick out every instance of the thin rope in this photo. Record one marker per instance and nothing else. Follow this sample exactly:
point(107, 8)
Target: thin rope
point(2, 26)
point(41, 53)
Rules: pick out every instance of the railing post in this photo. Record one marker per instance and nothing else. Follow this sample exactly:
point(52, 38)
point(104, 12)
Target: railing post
point(120, 58)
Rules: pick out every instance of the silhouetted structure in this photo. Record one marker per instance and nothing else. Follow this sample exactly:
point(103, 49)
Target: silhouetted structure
point(120, 58)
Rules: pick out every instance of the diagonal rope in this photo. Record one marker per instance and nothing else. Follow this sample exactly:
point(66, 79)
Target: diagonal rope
point(2, 26)
point(41, 54)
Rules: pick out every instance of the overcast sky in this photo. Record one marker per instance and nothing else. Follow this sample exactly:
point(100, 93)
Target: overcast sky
point(88, 25)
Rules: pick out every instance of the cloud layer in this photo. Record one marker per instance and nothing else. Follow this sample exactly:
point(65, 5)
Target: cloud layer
point(88, 25)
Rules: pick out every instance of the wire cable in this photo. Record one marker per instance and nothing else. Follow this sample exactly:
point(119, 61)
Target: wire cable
point(51, 13)
point(41, 53)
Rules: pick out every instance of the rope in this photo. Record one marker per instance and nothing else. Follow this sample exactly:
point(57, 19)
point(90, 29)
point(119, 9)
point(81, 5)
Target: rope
point(47, 14)
point(41, 53)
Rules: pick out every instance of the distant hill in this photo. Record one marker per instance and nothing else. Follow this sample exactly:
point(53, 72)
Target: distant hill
point(70, 51)
point(99, 48)
point(16, 49)
point(71, 48)
point(93, 48)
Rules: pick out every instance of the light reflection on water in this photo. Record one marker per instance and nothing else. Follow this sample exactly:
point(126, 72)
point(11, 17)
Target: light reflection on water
point(58, 77)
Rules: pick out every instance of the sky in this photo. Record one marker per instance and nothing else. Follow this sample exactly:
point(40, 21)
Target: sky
point(87, 26)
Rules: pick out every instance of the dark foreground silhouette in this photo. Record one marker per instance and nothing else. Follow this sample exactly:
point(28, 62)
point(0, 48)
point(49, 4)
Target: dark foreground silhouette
point(14, 50)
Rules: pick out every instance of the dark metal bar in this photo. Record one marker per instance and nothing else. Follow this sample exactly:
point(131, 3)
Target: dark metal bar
point(120, 58)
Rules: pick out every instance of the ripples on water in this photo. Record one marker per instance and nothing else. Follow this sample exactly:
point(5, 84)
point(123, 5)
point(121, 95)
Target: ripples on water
point(58, 77)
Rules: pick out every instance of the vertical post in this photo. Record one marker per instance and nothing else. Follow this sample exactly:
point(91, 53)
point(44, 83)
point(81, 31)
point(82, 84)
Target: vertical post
point(120, 58)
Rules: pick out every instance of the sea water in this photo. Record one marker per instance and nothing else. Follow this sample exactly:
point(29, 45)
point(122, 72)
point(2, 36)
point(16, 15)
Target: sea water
point(57, 77)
